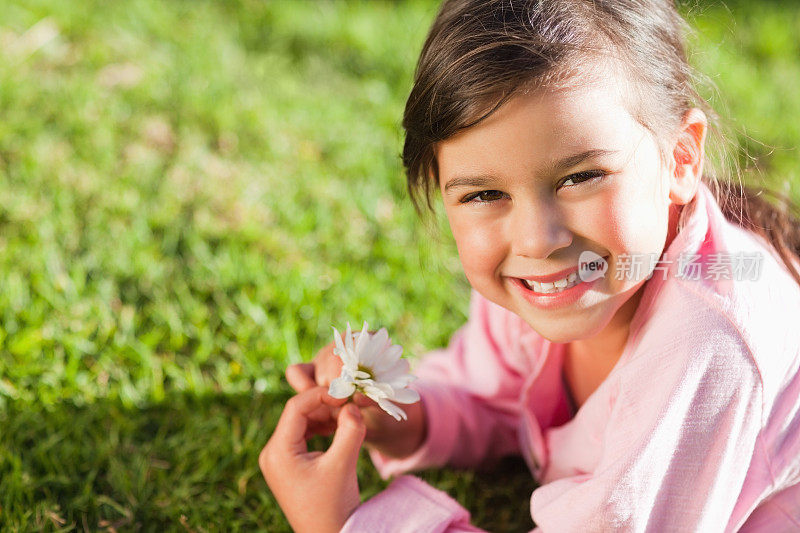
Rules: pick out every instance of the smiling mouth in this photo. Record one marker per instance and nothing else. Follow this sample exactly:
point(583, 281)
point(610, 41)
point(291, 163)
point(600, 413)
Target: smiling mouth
point(552, 287)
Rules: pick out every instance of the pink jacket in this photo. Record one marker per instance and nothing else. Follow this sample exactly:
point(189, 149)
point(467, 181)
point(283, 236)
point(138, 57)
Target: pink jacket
point(697, 428)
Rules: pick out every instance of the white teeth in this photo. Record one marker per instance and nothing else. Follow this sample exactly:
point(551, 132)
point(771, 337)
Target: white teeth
point(554, 286)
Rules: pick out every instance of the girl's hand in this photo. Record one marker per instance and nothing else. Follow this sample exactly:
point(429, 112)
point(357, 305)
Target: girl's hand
point(317, 491)
point(320, 372)
point(384, 433)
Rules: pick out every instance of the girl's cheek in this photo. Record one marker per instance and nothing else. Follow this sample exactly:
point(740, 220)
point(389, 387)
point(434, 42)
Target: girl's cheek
point(479, 245)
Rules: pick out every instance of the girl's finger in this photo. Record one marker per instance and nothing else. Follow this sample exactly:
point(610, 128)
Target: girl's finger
point(321, 421)
point(290, 433)
point(348, 437)
point(301, 376)
point(362, 400)
point(320, 429)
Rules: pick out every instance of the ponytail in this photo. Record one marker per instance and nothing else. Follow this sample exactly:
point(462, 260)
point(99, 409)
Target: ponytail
point(776, 219)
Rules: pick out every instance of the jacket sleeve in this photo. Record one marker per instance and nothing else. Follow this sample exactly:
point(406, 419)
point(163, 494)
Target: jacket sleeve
point(681, 436)
point(470, 395)
point(410, 505)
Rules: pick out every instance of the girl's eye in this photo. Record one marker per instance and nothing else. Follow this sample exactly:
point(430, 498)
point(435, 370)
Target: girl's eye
point(483, 197)
point(582, 177)
point(486, 197)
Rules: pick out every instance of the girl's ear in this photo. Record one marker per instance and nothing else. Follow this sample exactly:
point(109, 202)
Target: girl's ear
point(688, 156)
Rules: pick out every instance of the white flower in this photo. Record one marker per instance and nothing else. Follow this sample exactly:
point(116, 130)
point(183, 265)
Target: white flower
point(372, 366)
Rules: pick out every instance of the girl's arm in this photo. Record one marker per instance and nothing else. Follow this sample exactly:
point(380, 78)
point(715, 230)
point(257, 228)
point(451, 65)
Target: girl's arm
point(470, 395)
point(410, 504)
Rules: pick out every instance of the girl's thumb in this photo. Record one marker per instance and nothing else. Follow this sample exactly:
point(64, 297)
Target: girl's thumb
point(349, 435)
point(301, 376)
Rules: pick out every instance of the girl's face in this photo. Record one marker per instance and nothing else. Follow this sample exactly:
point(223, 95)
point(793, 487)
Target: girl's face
point(548, 176)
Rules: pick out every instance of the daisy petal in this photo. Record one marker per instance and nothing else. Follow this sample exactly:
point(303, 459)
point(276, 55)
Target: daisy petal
point(392, 409)
point(348, 339)
point(399, 368)
point(337, 339)
point(341, 388)
point(371, 391)
point(381, 339)
point(401, 382)
point(390, 356)
point(406, 396)
point(398, 381)
point(385, 388)
point(361, 342)
point(377, 344)
point(393, 374)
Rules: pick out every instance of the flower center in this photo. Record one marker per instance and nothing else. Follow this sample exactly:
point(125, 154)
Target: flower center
point(367, 370)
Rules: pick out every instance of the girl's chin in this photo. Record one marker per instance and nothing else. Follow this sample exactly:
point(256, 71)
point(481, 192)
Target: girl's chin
point(562, 331)
point(567, 325)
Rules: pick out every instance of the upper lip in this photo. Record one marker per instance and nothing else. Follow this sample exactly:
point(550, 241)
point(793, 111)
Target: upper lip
point(561, 274)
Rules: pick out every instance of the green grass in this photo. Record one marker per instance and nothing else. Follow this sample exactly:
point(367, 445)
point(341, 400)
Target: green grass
point(191, 194)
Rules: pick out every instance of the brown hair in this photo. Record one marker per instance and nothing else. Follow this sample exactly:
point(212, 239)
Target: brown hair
point(479, 53)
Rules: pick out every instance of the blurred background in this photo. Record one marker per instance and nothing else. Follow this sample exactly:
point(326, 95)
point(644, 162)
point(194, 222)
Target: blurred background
point(193, 192)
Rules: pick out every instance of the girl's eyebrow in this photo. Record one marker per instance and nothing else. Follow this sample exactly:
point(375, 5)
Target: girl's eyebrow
point(560, 165)
point(575, 160)
point(468, 181)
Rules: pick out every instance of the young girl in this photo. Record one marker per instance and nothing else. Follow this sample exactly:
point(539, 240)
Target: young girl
point(632, 329)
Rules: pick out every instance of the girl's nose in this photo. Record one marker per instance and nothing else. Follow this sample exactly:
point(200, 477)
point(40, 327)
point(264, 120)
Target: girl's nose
point(537, 231)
